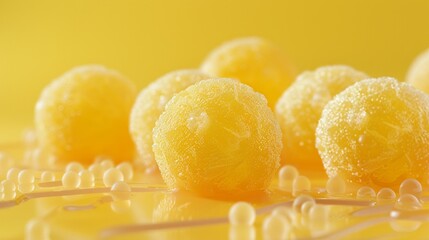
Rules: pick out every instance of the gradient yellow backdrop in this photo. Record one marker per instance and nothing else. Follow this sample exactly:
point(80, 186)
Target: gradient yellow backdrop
point(39, 40)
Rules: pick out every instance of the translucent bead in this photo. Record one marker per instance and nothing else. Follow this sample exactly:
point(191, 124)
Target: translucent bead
point(26, 188)
point(74, 167)
point(300, 200)
point(242, 232)
point(386, 196)
point(275, 227)
point(242, 213)
point(408, 202)
point(336, 185)
point(127, 170)
point(411, 186)
point(306, 207)
point(8, 186)
point(405, 225)
point(106, 164)
point(25, 177)
point(7, 196)
point(86, 179)
point(36, 230)
point(97, 170)
point(301, 184)
point(365, 193)
point(47, 176)
point(71, 180)
point(12, 174)
point(286, 176)
point(111, 176)
point(319, 213)
point(120, 206)
point(286, 212)
point(120, 191)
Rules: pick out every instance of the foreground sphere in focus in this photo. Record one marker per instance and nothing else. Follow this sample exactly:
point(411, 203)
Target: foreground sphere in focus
point(418, 74)
point(253, 61)
point(85, 113)
point(218, 137)
point(376, 133)
point(300, 107)
point(150, 104)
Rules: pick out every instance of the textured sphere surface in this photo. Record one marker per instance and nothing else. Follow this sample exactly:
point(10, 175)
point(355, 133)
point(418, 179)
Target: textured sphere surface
point(151, 103)
point(418, 74)
point(218, 138)
point(300, 107)
point(376, 133)
point(255, 62)
point(85, 113)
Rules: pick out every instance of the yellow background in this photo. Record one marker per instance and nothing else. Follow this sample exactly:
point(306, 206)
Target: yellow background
point(39, 40)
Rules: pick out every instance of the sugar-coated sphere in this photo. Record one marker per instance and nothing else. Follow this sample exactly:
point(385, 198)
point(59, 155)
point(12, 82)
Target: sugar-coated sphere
point(85, 113)
point(376, 133)
point(242, 213)
point(300, 107)
point(418, 74)
point(253, 61)
point(218, 137)
point(151, 103)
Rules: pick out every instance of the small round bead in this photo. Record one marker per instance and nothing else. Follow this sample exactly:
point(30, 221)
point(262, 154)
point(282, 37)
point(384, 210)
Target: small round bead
point(36, 230)
point(120, 191)
point(12, 174)
point(300, 185)
point(26, 176)
point(300, 200)
point(242, 213)
point(336, 185)
point(319, 214)
point(386, 196)
point(120, 206)
point(86, 179)
point(97, 170)
point(275, 227)
point(71, 180)
point(286, 212)
point(306, 207)
point(26, 188)
point(408, 202)
point(127, 170)
point(365, 193)
point(411, 186)
point(47, 176)
point(106, 164)
point(8, 186)
point(7, 196)
point(74, 167)
point(287, 174)
point(111, 176)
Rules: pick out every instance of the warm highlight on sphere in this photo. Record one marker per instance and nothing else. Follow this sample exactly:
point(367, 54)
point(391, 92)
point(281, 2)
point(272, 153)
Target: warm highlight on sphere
point(85, 113)
point(218, 138)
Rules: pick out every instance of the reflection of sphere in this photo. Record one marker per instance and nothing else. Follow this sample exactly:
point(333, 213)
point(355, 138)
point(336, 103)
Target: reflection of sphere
point(120, 206)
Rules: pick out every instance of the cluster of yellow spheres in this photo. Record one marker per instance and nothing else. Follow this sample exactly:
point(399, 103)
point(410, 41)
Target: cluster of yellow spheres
point(213, 130)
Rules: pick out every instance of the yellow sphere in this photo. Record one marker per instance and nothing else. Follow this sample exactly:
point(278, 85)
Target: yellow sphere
point(253, 61)
point(300, 107)
point(85, 113)
point(218, 137)
point(150, 104)
point(376, 132)
point(418, 74)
